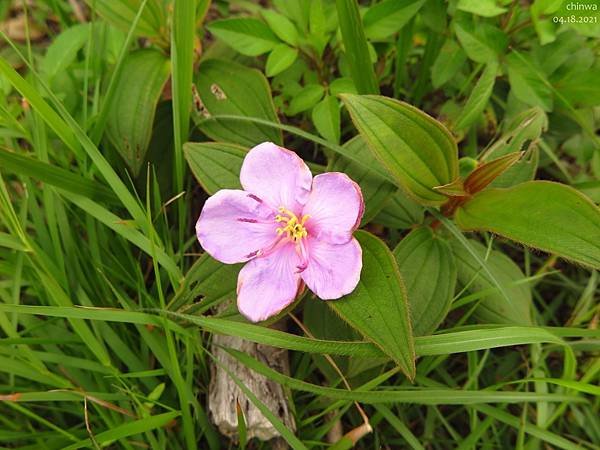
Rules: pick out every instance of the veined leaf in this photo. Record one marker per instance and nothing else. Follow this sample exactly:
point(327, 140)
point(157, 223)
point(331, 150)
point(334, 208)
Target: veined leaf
point(482, 43)
point(485, 8)
point(550, 216)
point(216, 165)
point(401, 212)
point(282, 57)
point(449, 61)
point(494, 307)
point(152, 23)
point(326, 117)
point(281, 26)
point(131, 115)
point(375, 189)
point(250, 37)
point(306, 98)
point(527, 84)
point(389, 16)
point(429, 272)
point(378, 308)
point(227, 88)
point(63, 50)
point(479, 97)
point(524, 128)
point(417, 150)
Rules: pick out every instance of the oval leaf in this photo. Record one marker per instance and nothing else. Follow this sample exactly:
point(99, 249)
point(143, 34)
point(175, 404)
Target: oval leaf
point(417, 150)
point(121, 14)
point(228, 88)
point(280, 59)
point(545, 215)
point(378, 308)
point(400, 212)
point(326, 118)
point(250, 37)
point(429, 272)
point(132, 110)
point(494, 307)
point(216, 165)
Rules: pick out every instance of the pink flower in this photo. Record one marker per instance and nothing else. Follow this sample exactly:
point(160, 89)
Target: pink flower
point(291, 228)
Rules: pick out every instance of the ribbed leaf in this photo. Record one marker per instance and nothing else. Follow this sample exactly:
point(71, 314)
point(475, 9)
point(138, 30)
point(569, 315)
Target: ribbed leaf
point(494, 307)
point(248, 36)
point(418, 151)
point(479, 97)
point(545, 215)
point(228, 88)
point(429, 272)
point(216, 165)
point(130, 119)
point(378, 308)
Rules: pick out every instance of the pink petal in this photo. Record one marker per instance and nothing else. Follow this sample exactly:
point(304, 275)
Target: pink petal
point(276, 175)
point(235, 225)
point(335, 207)
point(266, 285)
point(332, 270)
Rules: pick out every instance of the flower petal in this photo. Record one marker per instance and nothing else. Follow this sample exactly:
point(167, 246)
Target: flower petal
point(235, 225)
point(332, 270)
point(276, 175)
point(335, 207)
point(266, 285)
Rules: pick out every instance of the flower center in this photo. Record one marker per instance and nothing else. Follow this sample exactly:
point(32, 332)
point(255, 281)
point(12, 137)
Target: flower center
point(293, 227)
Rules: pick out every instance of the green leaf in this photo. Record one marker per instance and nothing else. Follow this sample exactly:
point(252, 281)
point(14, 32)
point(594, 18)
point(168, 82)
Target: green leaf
point(525, 128)
point(485, 8)
point(541, 214)
point(216, 165)
point(388, 17)
point(581, 88)
point(281, 26)
point(417, 150)
point(280, 59)
point(326, 117)
point(401, 212)
point(376, 190)
point(355, 47)
point(250, 37)
point(152, 23)
point(480, 95)
point(342, 86)
point(429, 273)
point(63, 50)
point(228, 88)
point(482, 43)
point(378, 308)
point(494, 307)
point(449, 61)
point(527, 84)
point(308, 97)
point(130, 118)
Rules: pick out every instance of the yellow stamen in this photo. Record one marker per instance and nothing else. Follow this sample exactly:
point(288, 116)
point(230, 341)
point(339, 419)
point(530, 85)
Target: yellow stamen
point(293, 227)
